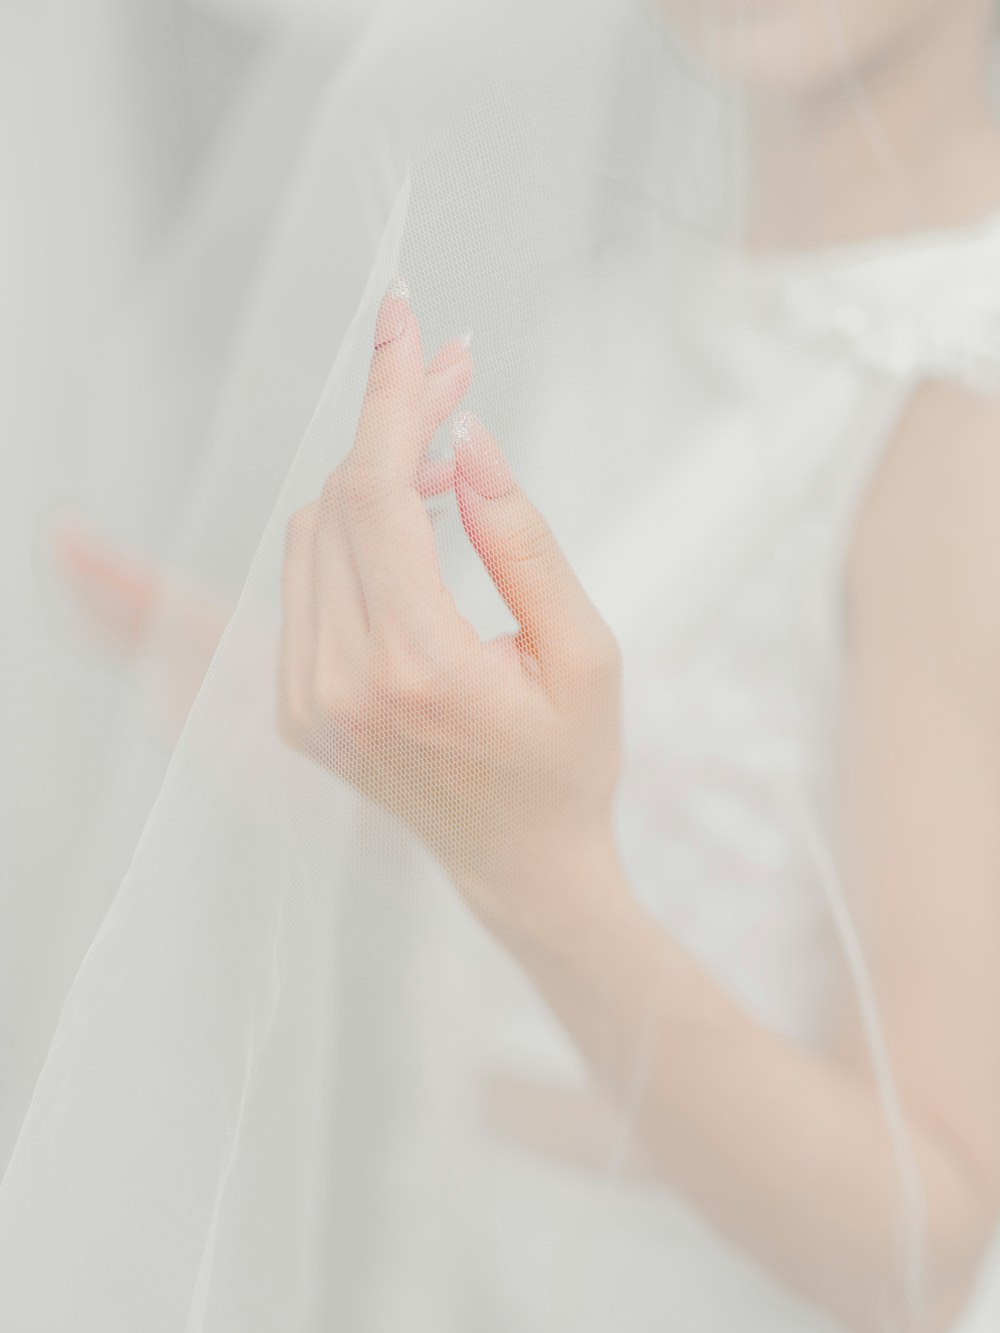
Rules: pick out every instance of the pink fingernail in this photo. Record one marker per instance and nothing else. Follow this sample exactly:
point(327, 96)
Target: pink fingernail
point(451, 355)
point(479, 460)
point(393, 314)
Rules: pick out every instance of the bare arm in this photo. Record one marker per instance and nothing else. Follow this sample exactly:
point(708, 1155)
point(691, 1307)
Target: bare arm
point(503, 757)
point(787, 1150)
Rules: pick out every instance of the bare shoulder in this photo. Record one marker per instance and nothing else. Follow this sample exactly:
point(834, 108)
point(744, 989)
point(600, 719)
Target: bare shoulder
point(924, 565)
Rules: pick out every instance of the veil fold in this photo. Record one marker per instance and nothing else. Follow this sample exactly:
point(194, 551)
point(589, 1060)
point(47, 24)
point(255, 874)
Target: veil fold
point(266, 1099)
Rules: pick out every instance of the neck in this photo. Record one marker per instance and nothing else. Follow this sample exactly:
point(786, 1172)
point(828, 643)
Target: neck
point(908, 144)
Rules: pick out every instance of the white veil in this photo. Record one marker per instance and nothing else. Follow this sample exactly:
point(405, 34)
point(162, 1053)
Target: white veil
point(285, 1060)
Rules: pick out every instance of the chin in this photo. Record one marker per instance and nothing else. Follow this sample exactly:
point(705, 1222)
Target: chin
point(796, 47)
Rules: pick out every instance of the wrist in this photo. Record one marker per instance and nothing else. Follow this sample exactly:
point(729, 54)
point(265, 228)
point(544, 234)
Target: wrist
point(605, 973)
point(578, 904)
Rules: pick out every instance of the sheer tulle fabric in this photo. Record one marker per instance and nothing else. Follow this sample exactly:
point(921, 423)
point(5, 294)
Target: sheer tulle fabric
point(266, 1099)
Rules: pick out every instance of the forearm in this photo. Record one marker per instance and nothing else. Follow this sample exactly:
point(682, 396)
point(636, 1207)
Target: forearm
point(785, 1150)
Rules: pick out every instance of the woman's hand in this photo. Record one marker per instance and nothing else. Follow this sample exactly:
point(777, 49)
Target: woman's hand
point(502, 756)
point(142, 611)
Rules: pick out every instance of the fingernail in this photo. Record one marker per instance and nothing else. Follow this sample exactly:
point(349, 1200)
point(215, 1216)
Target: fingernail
point(393, 314)
point(479, 460)
point(453, 354)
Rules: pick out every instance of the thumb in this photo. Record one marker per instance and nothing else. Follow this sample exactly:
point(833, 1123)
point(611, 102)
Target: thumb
point(519, 551)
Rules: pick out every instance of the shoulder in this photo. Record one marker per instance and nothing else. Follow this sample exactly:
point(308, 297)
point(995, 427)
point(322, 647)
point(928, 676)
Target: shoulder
point(923, 571)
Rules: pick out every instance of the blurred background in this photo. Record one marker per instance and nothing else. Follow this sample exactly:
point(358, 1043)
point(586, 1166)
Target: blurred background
point(143, 144)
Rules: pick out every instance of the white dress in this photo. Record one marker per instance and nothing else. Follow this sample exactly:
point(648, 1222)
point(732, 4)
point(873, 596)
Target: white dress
point(753, 470)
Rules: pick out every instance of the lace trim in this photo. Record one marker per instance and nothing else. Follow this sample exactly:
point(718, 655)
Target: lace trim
point(933, 312)
point(966, 349)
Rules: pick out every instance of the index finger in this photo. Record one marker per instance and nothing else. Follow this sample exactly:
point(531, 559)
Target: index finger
point(389, 438)
point(388, 529)
point(392, 541)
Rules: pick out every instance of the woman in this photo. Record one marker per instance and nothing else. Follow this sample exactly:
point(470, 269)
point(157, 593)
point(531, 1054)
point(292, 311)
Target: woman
point(383, 678)
point(788, 551)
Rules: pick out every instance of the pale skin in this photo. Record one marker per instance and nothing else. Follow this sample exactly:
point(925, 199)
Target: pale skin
point(785, 1149)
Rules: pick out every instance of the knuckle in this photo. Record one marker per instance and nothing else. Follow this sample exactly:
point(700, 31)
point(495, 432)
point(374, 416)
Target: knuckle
point(387, 410)
point(332, 495)
point(409, 681)
point(391, 386)
point(532, 540)
point(295, 716)
point(334, 697)
point(382, 372)
point(598, 660)
point(300, 529)
point(360, 489)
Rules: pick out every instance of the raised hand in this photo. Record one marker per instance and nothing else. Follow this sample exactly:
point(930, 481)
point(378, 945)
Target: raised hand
point(502, 756)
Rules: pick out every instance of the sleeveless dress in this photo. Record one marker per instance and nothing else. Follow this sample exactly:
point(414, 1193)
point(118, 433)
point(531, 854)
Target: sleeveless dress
point(746, 444)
